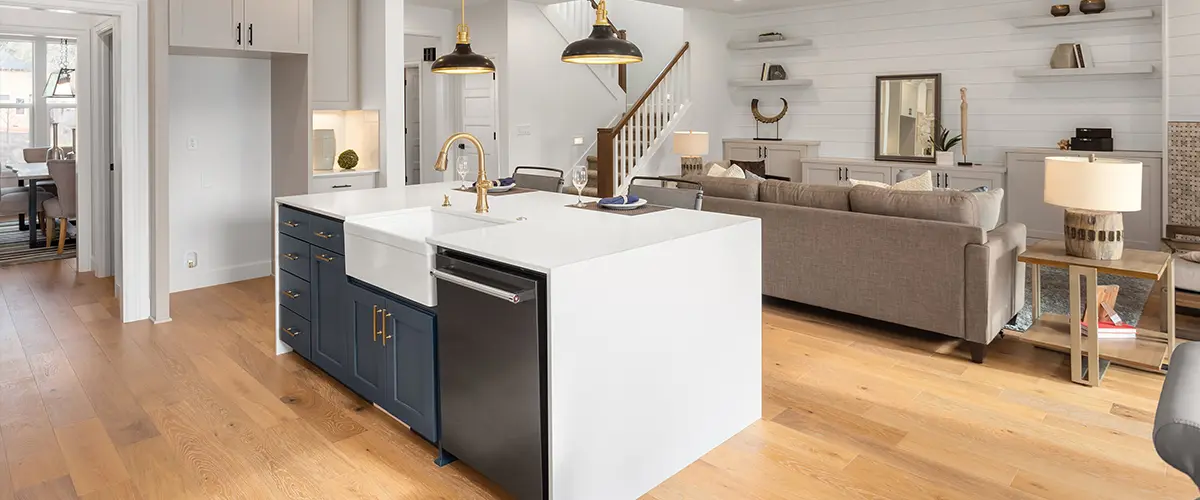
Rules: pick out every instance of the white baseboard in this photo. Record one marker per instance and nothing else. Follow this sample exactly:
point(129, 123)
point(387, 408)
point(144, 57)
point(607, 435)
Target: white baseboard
point(193, 279)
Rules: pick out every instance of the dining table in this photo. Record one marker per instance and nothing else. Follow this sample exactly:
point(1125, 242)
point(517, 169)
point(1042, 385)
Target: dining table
point(30, 174)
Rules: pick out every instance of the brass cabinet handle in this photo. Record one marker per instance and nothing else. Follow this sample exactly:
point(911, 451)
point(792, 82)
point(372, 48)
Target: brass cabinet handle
point(374, 323)
point(323, 234)
point(386, 315)
point(291, 223)
point(291, 295)
point(291, 256)
point(291, 332)
point(325, 258)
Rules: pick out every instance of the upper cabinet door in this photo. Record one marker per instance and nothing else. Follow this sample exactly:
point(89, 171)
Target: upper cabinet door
point(207, 24)
point(335, 54)
point(278, 25)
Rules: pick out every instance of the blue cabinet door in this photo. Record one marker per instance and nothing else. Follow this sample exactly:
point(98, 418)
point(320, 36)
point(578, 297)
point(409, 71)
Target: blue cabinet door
point(333, 333)
point(410, 390)
point(368, 360)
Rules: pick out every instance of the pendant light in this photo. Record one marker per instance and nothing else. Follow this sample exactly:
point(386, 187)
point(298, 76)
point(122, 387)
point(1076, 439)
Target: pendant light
point(463, 61)
point(61, 83)
point(602, 46)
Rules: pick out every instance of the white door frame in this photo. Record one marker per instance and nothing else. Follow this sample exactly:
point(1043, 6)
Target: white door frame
point(133, 28)
point(102, 142)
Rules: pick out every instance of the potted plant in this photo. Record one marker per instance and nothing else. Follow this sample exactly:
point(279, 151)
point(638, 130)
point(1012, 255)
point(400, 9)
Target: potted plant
point(942, 143)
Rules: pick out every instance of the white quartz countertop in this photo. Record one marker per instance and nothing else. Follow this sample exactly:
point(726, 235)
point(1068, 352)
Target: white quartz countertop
point(544, 232)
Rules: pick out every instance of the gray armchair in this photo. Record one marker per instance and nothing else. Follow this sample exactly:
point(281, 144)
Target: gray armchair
point(685, 194)
point(61, 209)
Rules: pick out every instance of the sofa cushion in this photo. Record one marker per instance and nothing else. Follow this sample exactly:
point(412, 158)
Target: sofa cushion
point(946, 206)
point(990, 203)
point(805, 195)
point(726, 187)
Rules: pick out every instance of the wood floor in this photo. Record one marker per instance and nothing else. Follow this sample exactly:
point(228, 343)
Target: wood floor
point(201, 408)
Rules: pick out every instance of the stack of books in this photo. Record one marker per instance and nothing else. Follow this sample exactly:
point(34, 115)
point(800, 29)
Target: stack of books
point(1109, 330)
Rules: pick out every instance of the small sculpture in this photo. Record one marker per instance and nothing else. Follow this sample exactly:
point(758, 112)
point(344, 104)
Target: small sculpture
point(776, 73)
point(759, 118)
point(1064, 144)
point(962, 92)
point(348, 159)
point(1060, 10)
point(1091, 6)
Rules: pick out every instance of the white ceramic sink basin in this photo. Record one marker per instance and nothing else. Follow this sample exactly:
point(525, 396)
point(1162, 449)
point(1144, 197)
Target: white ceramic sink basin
point(390, 252)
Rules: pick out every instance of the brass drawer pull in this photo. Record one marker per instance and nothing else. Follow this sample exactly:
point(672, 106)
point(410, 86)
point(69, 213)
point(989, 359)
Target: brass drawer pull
point(386, 315)
point(291, 295)
point(291, 332)
point(323, 234)
point(374, 323)
point(291, 223)
point(325, 258)
point(291, 256)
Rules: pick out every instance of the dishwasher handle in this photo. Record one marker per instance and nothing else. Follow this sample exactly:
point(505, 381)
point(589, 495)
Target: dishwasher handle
point(513, 297)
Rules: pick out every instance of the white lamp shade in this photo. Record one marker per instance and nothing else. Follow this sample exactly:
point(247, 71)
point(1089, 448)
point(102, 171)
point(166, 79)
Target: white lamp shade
point(1103, 185)
point(691, 143)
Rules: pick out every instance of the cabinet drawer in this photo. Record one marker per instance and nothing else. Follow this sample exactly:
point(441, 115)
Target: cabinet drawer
point(327, 234)
point(343, 183)
point(294, 294)
point(294, 256)
point(296, 332)
point(294, 222)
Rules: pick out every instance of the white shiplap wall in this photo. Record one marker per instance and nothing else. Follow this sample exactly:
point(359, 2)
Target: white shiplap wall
point(1183, 32)
point(972, 43)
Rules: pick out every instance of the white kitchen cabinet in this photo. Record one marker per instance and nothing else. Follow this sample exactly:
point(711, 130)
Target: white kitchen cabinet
point(343, 181)
point(869, 173)
point(782, 158)
point(207, 24)
point(964, 179)
point(824, 175)
point(1026, 184)
point(335, 56)
point(249, 25)
point(833, 172)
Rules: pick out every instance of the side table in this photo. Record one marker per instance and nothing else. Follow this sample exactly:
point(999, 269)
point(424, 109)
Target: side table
point(1150, 351)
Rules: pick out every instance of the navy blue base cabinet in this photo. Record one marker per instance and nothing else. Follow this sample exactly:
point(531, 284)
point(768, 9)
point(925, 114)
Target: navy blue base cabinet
point(381, 346)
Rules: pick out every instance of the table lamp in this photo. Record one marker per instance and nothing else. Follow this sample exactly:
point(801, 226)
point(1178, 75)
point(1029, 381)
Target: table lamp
point(1094, 192)
point(691, 147)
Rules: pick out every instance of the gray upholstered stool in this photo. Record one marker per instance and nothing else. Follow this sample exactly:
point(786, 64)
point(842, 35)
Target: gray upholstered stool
point(1177, 421)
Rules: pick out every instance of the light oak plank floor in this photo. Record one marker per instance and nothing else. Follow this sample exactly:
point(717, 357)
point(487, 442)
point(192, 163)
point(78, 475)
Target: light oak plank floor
point(201, 408)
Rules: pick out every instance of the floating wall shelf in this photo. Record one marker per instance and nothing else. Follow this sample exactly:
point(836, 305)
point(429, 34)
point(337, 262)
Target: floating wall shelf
point(1077, 18)
point(1107, 69)
point(797, 83)
point(791, 42)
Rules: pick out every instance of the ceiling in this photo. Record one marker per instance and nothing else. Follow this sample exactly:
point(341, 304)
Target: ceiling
point(729, 6)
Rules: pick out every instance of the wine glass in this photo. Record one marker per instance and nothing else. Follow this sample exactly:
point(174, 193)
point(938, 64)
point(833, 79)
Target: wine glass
point(579, 177)
point(460, 168)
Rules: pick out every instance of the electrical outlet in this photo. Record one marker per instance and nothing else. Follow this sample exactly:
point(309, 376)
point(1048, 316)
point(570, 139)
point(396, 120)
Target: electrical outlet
point(193, 144)
point(578, 141)
point(192, 260)
point(524, 129)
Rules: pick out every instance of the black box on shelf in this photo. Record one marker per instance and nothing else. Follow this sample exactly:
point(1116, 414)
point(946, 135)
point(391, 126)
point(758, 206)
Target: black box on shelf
point(1091, 144)
point(1093, 133)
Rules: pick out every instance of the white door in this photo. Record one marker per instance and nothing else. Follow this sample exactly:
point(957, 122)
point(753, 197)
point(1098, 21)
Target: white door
point(278, 25)
point(209, 24)
point(115, 198)
point(822, 175)
point(785, 162)
point(743, 152)
point(479, 118)
point(412, 123)
point(103, 171)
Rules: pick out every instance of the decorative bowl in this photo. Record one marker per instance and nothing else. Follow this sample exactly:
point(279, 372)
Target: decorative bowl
point(1060, 10)
point(1091, 6)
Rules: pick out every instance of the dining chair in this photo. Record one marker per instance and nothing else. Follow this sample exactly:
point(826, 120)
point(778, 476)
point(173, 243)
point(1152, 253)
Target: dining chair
point(551, 180)
point(689, 197)
point(39, 155)
point(62, 208)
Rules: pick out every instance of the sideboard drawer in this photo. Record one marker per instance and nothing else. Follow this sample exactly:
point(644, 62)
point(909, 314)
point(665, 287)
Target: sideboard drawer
point(294, 295)
point(328, 184)
point(295, 332)
point(294, 256)
point(294, 222)
point(327, 234)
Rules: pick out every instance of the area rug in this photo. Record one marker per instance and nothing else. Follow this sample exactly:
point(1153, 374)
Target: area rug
point(14, 247)
point(1056, 296)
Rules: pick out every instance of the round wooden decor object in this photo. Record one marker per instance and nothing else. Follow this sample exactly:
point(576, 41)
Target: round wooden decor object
point(1094, 235)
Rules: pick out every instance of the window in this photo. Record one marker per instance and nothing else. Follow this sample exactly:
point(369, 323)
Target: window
point(26, 62)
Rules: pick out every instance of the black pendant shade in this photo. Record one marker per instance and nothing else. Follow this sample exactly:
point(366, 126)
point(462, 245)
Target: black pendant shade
point(463, 61)
point(602, 47)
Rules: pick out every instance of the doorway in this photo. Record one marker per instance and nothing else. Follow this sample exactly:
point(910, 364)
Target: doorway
point(480, 109)
point(412, 123)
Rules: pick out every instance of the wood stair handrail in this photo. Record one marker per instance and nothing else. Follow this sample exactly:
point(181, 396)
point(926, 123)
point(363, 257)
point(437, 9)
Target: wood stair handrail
point(653, 86)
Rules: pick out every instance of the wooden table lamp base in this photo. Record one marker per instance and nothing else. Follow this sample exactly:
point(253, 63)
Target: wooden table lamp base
point(1094, 235)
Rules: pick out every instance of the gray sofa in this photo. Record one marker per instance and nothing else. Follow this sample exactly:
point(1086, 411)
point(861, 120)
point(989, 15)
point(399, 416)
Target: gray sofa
point(918, 259)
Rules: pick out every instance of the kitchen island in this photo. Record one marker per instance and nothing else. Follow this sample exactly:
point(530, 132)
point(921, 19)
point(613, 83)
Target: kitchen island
point(642, 350)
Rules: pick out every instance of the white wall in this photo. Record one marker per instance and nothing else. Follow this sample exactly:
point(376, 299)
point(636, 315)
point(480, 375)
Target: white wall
point(489, 37)
point(220, 203)
point(556, 100)
point(973, 44)
point(414, 47)
point(1183, 49)
point(658, 32)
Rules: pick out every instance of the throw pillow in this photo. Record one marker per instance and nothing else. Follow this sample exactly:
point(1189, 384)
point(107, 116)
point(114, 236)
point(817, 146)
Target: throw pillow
point(735, 172)
point(990, 203)
point(923, 182)
point(716, 170)
point(754, 177)
point(1190, 256)
point(856, 182)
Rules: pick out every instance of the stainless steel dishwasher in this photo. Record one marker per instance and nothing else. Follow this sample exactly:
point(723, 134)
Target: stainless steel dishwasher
point(492, 370)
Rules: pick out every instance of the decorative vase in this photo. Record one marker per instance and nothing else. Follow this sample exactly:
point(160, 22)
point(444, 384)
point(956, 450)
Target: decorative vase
point(1064, 57)
point(1091, 6)
point(74, 145)
point(55, 152)
point(1060, 10)
point(944, 158)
